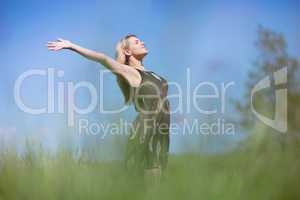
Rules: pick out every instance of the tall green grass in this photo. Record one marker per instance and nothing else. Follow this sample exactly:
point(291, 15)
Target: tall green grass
point(261, 169)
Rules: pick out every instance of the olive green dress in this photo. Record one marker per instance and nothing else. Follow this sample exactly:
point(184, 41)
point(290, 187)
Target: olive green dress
point(148, 142)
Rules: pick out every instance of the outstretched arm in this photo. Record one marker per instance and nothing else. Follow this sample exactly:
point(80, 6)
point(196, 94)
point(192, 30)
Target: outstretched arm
point(130, 74)
point(105, 60)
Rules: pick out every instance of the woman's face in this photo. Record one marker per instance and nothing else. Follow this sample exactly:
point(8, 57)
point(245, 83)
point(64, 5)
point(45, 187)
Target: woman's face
point(136, 48)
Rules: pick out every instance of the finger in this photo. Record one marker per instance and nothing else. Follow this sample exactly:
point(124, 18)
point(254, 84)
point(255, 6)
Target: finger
point(57, 48)
point(51, 45)
point(50, 42)
point(60, 39)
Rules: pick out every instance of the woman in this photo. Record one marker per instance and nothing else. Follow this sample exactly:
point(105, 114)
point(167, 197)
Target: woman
point(148, 143)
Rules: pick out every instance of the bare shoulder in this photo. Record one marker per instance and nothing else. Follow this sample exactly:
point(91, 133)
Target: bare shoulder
point(131, 75)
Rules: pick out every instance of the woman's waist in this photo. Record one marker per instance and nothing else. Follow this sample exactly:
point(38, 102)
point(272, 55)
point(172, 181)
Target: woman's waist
point(153, 107)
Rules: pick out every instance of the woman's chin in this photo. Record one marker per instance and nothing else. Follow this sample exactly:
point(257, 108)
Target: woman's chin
point(143, 55)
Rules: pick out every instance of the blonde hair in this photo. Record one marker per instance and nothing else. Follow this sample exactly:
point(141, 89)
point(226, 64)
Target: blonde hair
point(122, 58)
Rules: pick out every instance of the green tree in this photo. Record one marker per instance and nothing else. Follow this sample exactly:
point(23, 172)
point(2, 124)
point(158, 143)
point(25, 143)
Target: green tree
point(272, 56)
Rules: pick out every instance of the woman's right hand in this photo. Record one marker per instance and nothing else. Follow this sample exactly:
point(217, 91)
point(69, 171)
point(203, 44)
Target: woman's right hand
point(59, 44)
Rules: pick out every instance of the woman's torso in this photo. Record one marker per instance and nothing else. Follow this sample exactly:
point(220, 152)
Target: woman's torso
point(150, 97)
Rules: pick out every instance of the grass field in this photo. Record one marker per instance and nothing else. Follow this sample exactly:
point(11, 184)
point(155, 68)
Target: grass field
point(263, 170)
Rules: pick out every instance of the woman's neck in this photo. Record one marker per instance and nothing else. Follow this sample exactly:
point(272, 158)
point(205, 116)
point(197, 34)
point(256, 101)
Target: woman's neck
point(136, 63)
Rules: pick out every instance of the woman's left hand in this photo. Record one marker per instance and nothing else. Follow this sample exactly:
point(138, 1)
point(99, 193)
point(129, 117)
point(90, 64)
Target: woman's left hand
point(59, 44)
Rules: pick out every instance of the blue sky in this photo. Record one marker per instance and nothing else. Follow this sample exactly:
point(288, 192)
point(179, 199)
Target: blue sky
point(215, 39)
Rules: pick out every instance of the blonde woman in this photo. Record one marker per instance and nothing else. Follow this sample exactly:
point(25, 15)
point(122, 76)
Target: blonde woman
point(148, 143)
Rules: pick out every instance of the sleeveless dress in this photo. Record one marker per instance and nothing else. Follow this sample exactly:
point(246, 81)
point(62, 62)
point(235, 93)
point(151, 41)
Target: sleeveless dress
point(148, 142)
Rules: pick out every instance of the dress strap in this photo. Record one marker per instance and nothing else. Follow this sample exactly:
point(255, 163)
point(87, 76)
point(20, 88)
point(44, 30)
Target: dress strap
point(141, 73)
